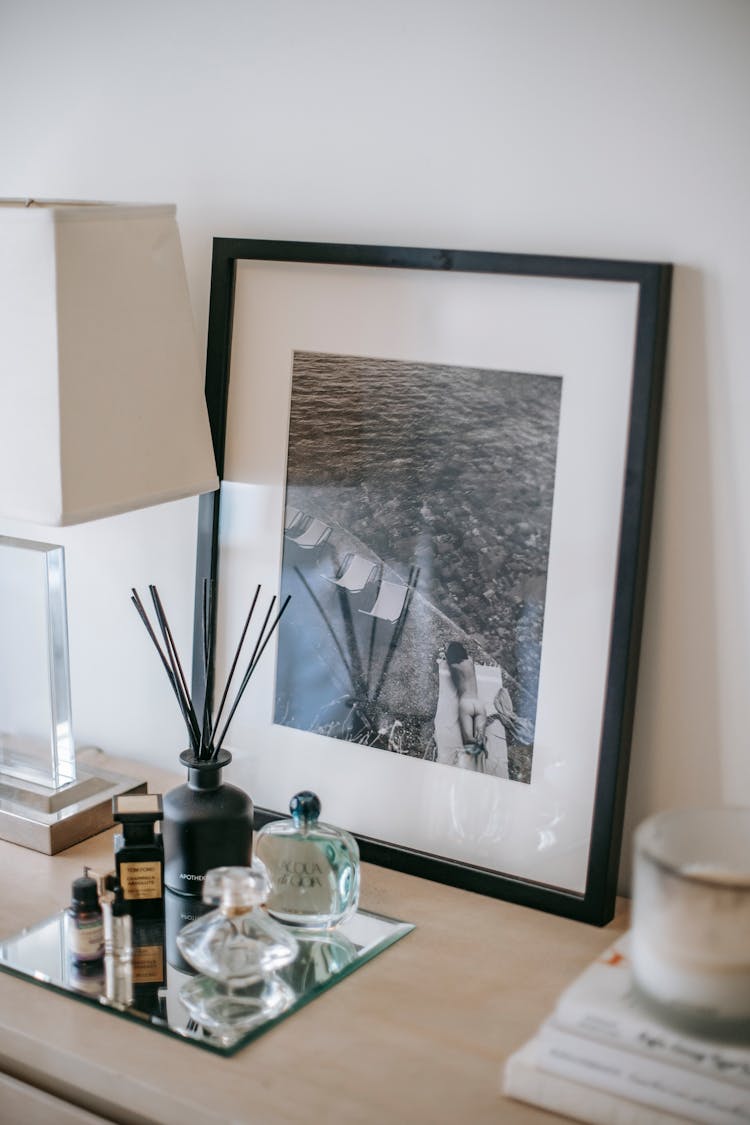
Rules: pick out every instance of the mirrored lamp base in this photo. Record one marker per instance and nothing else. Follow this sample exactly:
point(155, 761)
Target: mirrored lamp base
point(50, 820)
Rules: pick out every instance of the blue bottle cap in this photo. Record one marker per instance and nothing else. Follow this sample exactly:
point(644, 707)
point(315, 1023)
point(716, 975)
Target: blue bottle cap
point(305, 807)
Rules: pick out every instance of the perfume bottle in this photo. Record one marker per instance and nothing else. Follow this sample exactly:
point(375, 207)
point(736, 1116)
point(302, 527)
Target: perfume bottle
point(118, 944)
point(84, 930)
point(237, 949)
point(139, 854)
point(238, 943)
point(313, 867)
point(118, 924)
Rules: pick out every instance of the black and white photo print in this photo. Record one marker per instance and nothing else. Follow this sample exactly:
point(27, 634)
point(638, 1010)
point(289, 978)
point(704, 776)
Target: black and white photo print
point(416, 543)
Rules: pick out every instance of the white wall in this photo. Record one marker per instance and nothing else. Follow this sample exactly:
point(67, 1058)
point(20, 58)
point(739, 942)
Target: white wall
point(585, 127)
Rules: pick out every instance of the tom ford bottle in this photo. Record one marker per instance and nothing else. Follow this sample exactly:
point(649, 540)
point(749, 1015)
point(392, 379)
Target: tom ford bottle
point(139, 854)
point(313, 867)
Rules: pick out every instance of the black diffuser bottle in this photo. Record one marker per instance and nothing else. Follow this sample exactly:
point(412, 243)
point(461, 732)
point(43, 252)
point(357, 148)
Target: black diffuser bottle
point(207, 823)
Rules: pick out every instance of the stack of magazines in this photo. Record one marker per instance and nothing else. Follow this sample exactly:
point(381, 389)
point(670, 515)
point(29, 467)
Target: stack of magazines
point(602, 1058)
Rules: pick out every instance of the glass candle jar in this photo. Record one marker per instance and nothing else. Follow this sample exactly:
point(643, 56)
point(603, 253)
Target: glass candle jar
point(691, 919)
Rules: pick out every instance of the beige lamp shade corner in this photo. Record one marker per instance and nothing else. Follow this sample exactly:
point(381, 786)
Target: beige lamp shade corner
point(102, 408)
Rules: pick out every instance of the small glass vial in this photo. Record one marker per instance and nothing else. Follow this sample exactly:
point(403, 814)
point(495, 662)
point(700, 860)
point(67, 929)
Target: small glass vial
point(84, 930)
point(118, 945)
point(313, 867)
point(118, 925)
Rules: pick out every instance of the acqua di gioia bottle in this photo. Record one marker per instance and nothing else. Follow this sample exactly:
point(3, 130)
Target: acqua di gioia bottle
point(313, 867)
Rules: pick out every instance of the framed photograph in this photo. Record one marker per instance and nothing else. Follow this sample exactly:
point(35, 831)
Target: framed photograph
point(447, 459)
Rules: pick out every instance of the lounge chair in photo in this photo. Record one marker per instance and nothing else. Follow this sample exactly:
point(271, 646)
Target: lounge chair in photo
point(354, 573)
point(389, 604)
point(293, 520)
point(314, 535)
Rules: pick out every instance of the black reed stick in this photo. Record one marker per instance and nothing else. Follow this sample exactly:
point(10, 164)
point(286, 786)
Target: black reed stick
point(208, 648)
point(243, 634)
point(327, 623)
point(174, 661)
point(254, 660)
point(169, 641)
point(204, 744)
point(248, 673)
point(183, 703)
point(208, 592)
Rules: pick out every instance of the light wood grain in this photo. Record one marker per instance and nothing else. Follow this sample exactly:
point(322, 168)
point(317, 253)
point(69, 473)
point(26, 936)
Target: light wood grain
point(26, 1105)
point(417, 1036)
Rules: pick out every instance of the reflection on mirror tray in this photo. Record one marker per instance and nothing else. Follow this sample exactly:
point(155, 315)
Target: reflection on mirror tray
point(179, 1002)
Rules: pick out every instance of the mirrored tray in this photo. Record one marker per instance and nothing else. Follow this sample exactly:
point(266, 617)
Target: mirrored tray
point(150, 992)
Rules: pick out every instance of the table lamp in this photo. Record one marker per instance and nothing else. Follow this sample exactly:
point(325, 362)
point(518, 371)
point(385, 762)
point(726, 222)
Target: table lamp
point(102, 411)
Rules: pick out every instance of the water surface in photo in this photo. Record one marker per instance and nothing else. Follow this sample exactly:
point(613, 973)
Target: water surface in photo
point(419, 502)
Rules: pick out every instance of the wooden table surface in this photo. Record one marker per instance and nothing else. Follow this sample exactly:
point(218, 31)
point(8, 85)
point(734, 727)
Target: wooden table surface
point(418, 1035)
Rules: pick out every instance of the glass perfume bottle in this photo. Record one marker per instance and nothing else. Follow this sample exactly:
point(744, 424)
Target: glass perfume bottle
point(238, 950)
point(237, 943)
point(313, 867)
point(139, 853)
point(84, 924)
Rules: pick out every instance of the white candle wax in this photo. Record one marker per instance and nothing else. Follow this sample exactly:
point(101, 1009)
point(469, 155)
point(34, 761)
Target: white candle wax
point(691, 927)
point(709, 991)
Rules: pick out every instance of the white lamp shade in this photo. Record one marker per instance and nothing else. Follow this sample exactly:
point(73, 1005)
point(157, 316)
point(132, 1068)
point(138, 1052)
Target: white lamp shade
point(102, 408)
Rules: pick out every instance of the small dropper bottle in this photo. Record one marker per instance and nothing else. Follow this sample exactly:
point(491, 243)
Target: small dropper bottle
point(84, 931)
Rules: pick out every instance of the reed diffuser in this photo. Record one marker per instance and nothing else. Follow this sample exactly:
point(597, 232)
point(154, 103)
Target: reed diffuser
point(207, 822)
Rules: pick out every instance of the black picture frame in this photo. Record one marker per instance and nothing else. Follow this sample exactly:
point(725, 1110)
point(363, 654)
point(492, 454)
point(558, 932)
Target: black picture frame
point(595, 903)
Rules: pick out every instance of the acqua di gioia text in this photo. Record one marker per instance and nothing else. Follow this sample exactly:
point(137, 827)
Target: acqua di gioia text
point(299, 873)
